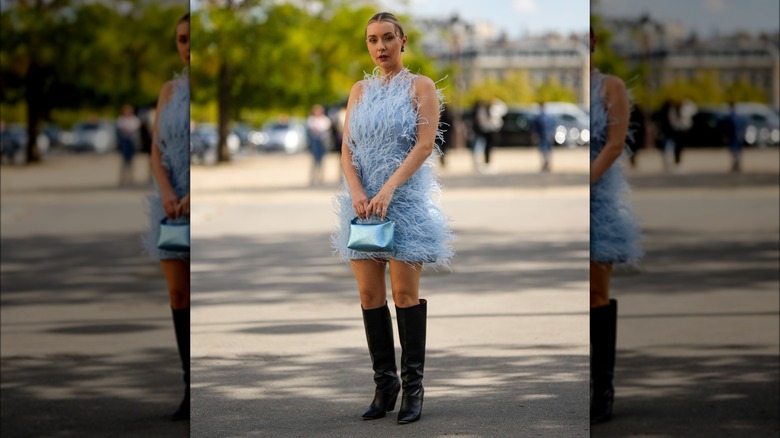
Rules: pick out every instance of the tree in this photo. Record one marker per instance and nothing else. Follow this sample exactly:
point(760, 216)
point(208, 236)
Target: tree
point(282, 57)
point(68, 54)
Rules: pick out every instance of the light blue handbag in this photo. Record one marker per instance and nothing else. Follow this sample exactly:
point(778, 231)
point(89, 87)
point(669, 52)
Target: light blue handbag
point(371, 237)
point(174, 236)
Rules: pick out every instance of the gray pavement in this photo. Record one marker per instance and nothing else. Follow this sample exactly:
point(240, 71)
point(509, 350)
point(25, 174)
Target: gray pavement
point(278, 346)
point(698, 347)
point(86, 341)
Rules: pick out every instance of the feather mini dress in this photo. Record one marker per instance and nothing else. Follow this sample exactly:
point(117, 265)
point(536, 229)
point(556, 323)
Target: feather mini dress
point(173, 142)
point(614, 229)
point(382, 132)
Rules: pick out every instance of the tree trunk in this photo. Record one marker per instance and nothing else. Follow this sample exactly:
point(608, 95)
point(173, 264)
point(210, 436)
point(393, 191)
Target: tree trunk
point(223, 96)
point(33, 95)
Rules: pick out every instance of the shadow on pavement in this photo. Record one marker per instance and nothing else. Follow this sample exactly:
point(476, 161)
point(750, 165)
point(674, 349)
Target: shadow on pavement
point(244, 271)
point(91, 395)
point(55, 270)
point(708, 395)
point(676, 264)
point(75, 289)
point(477, 395)
point(701, 180)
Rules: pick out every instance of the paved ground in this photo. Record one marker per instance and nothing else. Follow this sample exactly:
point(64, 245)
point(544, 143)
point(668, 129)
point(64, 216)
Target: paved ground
point(87, 341)
point(279, 342)
point(698, 348)
point(88, 350)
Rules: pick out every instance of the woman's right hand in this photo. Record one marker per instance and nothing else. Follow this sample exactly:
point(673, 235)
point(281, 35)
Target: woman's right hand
point(170, 203)
point(360, 204)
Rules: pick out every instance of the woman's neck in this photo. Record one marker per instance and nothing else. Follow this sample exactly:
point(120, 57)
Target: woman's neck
point(390, 73)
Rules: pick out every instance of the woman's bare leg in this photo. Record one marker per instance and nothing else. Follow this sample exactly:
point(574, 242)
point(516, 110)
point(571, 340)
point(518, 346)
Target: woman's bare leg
point(405, 283)
point(370, 276)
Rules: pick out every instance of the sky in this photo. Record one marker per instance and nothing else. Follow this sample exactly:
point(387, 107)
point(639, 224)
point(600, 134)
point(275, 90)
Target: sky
point(702, 16)
point(515, 17)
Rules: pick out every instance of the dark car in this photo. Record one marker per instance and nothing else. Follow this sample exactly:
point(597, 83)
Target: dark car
point(710, 128)
point(518, 128)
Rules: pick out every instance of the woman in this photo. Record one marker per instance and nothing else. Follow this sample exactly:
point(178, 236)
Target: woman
point(613, 228)
point(388, 162)
point(170, 161)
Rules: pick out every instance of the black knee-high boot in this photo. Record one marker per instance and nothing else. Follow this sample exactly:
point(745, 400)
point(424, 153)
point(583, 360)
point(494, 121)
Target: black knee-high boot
point(603, 334)
point(411, 330)
point(181, 325)
point(379, 334)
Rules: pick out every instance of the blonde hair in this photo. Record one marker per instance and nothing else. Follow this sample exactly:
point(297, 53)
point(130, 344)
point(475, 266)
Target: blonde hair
point(388, 17)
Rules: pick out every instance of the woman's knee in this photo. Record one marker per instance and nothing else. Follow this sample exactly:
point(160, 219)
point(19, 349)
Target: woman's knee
point(180, 297)
point(406, 297)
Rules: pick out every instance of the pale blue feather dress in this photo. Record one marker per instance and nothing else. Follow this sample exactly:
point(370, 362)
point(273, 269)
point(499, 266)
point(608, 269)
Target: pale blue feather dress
point(173, 142)
point(614, 229)
point(382, 132)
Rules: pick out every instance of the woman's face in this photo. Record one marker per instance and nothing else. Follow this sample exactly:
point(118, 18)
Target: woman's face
point(384, 44)
point(183, 41)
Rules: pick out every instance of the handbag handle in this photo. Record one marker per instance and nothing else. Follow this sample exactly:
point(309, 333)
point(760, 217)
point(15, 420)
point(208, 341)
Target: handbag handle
point(354, 221)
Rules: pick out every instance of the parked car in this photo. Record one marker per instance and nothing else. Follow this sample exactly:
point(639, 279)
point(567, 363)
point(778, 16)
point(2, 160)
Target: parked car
point(91, 136)
point(518, 128)
point(572, 124)
point(13, 142)
point(204, 140)
point(284, 135)
point(242, 133)
point(711, 127)
point(763, 124)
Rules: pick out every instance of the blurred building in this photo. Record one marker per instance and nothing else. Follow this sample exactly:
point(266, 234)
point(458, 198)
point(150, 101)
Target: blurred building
point(482, 53)
point(674, 54)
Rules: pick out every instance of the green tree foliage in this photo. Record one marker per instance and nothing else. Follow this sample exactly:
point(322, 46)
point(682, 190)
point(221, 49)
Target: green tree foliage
point(73, 55)
point(257, 59)
point(517, 88)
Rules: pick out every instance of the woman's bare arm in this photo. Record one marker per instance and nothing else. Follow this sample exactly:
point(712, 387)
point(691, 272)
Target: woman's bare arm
point(618, 114)
point(168, 196)
point(356, 189)
point(428, 123)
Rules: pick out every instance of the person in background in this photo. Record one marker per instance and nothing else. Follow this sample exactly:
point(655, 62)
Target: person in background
point(735, 130)
point(543, 132)
point(482, 133)
point(496, 112)
point(318, 126)
point(128, 130)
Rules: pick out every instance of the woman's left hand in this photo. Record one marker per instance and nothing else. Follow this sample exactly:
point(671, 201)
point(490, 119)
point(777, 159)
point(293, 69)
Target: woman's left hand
point(183, 207)
point(380, 202)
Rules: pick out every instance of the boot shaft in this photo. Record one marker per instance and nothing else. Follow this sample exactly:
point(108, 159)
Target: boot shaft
point(412, 334)
point(379, 336)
